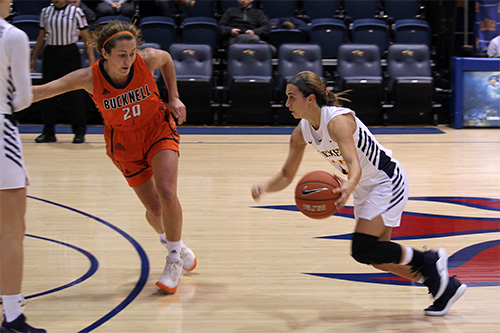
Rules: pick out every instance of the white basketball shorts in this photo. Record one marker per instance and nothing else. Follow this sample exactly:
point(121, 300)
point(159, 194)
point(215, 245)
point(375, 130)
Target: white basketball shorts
point(13, 172)
point(386, 198)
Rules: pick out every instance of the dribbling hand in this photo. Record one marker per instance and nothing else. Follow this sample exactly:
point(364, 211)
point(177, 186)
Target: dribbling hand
point(257, 192)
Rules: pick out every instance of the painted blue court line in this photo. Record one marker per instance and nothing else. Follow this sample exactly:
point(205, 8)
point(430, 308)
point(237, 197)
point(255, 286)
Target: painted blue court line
point(184, 130)
point(94, 265)
point(141, 282)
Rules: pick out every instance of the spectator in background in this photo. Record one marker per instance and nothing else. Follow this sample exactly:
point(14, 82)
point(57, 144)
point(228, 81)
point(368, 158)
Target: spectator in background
point(90, 15)
point(494, 47)
point(60, 26)
point(245, 24)
point(115, 7)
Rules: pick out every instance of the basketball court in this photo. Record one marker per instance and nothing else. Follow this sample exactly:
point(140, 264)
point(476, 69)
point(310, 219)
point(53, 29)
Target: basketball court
point(92, 260)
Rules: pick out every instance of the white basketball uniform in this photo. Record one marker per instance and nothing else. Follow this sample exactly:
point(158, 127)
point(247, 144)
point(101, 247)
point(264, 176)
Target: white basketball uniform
point(15, 95)
point(383, 188)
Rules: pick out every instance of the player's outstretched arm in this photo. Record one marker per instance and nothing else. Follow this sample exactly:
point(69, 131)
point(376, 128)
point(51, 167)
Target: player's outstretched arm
point(289, 169)
point(79, 79)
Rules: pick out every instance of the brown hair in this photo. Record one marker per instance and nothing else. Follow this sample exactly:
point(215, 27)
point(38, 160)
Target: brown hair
point(315, 85)
point(99, 38)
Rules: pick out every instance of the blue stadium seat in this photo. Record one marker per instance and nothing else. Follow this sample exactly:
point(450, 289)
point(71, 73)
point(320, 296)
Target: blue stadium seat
point(320, 8)
point(200, 30)
point(225, 4)
point(280, 35)
point(371, 31)
point(249, 84)
point(412, 31)
point(30, 7)
point(105, 19)
point(359, 9)
point(200, 8)
point(30, 24)
point(402, 9)
point(36, 76)
point(292, 59)
point(329, 34)
point(193, 67)
point(410, 84)
point(159, 29)
point(360, 70)
point(279, 8)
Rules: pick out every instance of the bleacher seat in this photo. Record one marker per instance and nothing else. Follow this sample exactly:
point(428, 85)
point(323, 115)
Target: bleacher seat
point(292, 59)
point(30, 7)
point(410, 84)
point(225, 4)
point(30, 24)
point(402, 9)
point(360, 9)
point(105, 19)
point(320, 8)
point(359, 69)
point(249, 84)
point(329, 34)
point(159, 29)
point(204, 8)
point(36, 76)
point(279, 8)
point(280, 36)
point(193, 67)
point(200, 30)
point(412, 31)
point(371, 31)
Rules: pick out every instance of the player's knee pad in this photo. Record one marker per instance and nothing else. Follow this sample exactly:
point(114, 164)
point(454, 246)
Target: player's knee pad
point(361, 246)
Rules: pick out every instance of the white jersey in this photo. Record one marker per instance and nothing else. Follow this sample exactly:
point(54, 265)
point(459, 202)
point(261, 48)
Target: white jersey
point(14, 69)
point(378, 167)
point(15, 95)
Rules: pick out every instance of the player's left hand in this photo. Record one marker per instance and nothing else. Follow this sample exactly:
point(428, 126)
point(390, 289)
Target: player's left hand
point(178, 110)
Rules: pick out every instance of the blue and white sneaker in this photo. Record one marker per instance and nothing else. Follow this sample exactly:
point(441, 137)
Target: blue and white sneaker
point(442, 305)
point(435, 272)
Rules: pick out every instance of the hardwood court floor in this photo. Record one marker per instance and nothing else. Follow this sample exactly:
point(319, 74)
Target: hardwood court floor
point(92, 260)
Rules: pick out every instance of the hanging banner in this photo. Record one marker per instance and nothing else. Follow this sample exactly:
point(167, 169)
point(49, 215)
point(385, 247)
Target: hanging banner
point(487, 23)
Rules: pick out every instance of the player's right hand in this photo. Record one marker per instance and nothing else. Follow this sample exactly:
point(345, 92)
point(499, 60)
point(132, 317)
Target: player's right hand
point(257, 192)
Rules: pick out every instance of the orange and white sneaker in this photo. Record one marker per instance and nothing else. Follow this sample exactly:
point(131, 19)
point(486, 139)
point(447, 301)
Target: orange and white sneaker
point(172, 273)
point(188, 258)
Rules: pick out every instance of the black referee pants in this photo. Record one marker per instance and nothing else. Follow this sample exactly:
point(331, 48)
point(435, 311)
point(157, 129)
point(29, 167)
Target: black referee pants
point(57, 62)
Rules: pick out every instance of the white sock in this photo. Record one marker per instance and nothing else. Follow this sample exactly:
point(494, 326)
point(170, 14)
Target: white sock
point(12, 306)
point(408, 256)
point(174, 249)
point(163, 239)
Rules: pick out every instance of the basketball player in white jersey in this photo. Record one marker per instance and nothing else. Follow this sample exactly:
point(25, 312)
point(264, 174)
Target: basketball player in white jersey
point(377, 181)
point(15, 95)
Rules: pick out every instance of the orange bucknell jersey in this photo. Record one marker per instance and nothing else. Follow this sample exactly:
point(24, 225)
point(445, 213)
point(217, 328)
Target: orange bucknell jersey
point(129, 106)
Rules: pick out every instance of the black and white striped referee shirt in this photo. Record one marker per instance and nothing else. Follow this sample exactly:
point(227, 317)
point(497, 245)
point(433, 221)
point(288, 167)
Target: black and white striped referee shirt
point(62, 25)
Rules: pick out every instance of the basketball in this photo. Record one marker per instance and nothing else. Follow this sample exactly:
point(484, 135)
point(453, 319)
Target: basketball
point(313, 194)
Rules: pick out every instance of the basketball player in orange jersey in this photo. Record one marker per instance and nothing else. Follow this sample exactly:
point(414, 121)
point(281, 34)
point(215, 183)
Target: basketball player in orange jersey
point(139, 130)
point(377, 181)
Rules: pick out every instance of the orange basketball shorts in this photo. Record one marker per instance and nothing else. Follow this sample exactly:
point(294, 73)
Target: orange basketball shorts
point(131, 150)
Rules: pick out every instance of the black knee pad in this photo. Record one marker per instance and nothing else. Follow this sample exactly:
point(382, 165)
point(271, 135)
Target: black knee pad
point(368, 250)
point(361, 246)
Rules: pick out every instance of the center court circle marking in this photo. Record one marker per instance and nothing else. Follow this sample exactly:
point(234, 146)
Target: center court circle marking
point(141, 282)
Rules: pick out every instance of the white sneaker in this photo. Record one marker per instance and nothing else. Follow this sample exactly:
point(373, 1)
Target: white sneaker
point(172, 273)
point(188, 258)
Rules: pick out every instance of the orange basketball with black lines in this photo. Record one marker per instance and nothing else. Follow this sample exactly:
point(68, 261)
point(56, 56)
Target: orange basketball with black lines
point(314, 196)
